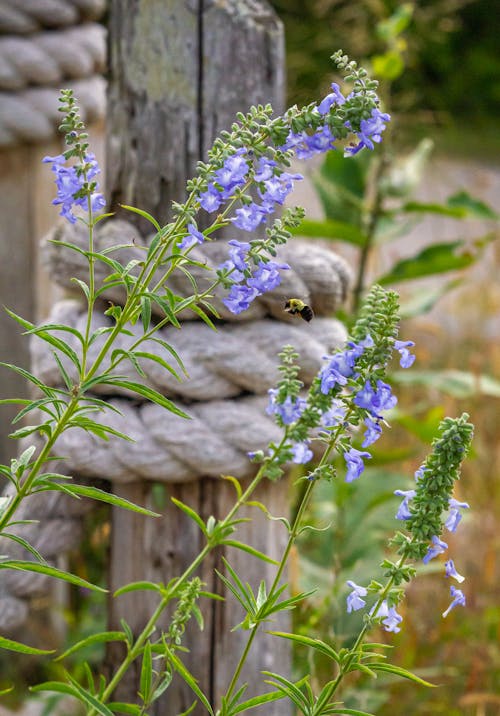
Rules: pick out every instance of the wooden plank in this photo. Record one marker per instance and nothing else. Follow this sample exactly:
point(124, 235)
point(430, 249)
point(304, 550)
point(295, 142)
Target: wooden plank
point(179, 72)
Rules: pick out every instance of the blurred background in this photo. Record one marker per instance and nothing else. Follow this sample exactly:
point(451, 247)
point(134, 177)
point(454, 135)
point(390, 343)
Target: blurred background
point(420, 214)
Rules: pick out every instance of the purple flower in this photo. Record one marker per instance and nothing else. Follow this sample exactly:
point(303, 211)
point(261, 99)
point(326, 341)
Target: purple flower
point(458, 599)
point(455, 515)
point(267, 276)
point(403, 512)
point(248, 217)
point(335, 414)
point(354, 599)
point(211, 199)
point(450, 571)
point(301, 453)
point(335, 97)
point(375, 400)
point(239, 298)
point(373, 432)
point(407, 359)
point(264, 170)
point(355, 464)
point(438, 548)
point(238, 253)
point(370, 131)
point(277, 188)
point(233, 172)
point(289, 411)
point(420, 473)
point(192, 237)
point(340, 368)
point(69, 182)
point(391, 619)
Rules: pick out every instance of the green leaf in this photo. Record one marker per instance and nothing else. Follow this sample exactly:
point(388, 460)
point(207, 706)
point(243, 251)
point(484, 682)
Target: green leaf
point(201, 314)
point(146, 673)
point(191, 514)
point(189, 679)
point(25, 566)
point(156, 359)
point(144, 215)
point(388, 66)
point(257, 701)
point(316, 644)
point(51, 392)
point(138, 586)
point(25, 544)
point(398, 671)
point(473, 207)
point(458, 383)
point(434, 259)
point(172, 352)
point(288, 688)
point(167, 310)
point(434, 208)
point(99, 429)
point(83, 286)
point(96, 494)
point(44, 333)
point(146, 392)
point(250, 550)
point(330, 229)
point(421, 302)
point(123, 708)
point(341, 185)
point(145, 313)
point(101, 638)
point(11, 645)
point(354, 712)
point(76, 691)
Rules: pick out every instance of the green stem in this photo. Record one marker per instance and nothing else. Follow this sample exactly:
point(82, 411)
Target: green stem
point(283, 562)
point(370, 221)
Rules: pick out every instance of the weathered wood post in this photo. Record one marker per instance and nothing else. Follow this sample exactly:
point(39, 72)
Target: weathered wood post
point(179, 71)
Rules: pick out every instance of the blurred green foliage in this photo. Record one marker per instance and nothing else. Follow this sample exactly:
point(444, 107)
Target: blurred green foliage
point(450, 51)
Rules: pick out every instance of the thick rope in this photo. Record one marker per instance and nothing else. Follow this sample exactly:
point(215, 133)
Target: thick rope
point(31, 116)
point(23, 17)
point(50, 58)
point(318, 276)
point(220, 364)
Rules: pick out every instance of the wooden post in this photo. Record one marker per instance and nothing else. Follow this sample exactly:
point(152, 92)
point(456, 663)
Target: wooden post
point(179, 71)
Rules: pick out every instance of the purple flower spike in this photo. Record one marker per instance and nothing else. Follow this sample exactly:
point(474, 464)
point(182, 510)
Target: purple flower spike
point(458, 599)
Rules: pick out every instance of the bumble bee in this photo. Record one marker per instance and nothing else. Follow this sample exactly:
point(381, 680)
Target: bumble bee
point(296, 306)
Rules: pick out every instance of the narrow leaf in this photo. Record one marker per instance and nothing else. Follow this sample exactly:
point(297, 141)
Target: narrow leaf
point(146, 673)
point(434, 259)
point(191, 514)
point(316, 644)
point(101, 638)
point(250, 550)
point(398, 671)
point(25, 566)
point(11, 645)
point(96, 494)
point(144, 214)
point(189, 679)
point(137, 586)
